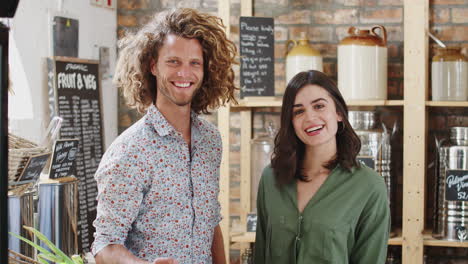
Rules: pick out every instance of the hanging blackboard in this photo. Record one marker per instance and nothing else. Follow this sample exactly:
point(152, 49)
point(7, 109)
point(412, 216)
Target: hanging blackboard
point(368, 161)
point(65, 36)
point(456, 185)
point(63, 158)
point(75, 91)
point(257, 71)
point(33, 168)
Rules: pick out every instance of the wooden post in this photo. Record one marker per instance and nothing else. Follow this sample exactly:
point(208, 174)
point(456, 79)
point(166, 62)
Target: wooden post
point(246, 8)
point(416, 19)
point(246, 136)
point(223, 125)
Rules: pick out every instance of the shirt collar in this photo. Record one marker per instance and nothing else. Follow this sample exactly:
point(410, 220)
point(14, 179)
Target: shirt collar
point(164, 128)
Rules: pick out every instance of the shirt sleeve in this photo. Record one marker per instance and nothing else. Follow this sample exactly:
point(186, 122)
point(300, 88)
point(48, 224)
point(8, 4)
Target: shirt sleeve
point(219, 150)
point(120, 193)
point(372, 231)
point(260, 236)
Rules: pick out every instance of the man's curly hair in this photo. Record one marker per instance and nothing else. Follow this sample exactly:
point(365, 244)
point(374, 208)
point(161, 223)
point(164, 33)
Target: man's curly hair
point(133, 69)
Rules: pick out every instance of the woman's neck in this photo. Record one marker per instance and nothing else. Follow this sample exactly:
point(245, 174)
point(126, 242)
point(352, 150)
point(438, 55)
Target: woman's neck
point(315, 158)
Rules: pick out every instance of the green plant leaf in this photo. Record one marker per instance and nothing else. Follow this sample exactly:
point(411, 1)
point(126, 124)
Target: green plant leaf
point(36, 246)
point(41, 260)
point(51, 245)
point(77, 259)
point(50, 257)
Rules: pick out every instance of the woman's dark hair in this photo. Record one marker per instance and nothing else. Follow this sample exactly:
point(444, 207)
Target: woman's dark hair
point(289, 150)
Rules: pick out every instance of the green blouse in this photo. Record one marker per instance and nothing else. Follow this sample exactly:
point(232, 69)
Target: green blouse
point(346, 221)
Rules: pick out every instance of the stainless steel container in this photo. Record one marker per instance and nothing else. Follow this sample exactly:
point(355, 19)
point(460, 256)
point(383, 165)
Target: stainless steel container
point(58, 214)
point(21, 213)
point(451, 202)
point(261, 150)
point(375, 144)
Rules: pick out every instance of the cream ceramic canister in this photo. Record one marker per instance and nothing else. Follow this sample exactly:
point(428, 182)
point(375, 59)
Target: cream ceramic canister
point(362, 64)
point(449, 75)
point(301, 57)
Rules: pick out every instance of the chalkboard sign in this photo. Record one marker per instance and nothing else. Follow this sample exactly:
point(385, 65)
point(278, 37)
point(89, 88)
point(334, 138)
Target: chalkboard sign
point(251, 222)
point(63, 158)
point(456, 185)
point(257, 51)
point(75, 96)
point(34, 166)
point(65, 35)
point(368, 161)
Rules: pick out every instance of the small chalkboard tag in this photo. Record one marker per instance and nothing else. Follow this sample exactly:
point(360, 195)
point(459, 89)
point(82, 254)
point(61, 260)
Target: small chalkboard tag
point(34, 167)
point(257, 53)
point(63, 158)
point(252, 222)
point(368, 161)
point(456, 185)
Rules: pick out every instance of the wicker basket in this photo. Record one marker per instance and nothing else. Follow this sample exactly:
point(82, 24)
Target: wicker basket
point(19, 151)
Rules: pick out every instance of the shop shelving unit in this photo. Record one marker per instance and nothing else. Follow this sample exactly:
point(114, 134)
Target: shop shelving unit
point(413, 238)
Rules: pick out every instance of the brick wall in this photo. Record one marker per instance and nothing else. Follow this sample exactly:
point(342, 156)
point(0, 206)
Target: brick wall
point(326, 23)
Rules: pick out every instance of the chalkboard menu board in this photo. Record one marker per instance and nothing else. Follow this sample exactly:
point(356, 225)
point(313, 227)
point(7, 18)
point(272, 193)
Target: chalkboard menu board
point(251, 222)
point(456, 185)
point(33, 168)
point(63, 158)
point(368, 161)
point(257, 75)
point(75, 96)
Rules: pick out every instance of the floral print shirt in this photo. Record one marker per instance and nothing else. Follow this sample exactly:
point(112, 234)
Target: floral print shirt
point(157, 196)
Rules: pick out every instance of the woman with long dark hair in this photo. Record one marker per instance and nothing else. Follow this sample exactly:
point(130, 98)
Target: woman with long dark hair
point(316, 203)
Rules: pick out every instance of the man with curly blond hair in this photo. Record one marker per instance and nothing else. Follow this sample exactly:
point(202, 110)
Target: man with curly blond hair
point(159, 180)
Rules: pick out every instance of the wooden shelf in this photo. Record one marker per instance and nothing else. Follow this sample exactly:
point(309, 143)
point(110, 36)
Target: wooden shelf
point(277, 102)
point(396, 240)
point(432, 242)
point(447, 103)
point(267, 101)
point(249, 237)
point(374, 102)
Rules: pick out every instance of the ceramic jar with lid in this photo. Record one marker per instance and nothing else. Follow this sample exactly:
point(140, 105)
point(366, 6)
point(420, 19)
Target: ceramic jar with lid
point(301, 57)
point(449, 75)
point(362, 64)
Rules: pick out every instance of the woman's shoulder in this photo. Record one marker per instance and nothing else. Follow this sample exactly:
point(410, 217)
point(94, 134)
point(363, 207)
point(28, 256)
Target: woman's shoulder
point(365, 176)
point(268, 174)
point(269, 179)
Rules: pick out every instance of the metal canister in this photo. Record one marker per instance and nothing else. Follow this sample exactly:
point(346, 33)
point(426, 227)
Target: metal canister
point(247, 256)
point(261, 151)
point(375, 144)
point(58, 214)
point(21, 213)
point(451, 202)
